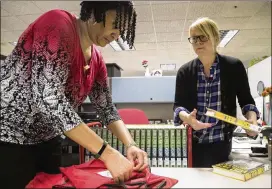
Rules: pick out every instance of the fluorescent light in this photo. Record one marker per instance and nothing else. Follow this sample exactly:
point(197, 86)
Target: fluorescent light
point(227, 36)
point(120, 45)
point(115, 46)
point(13, 43)
point(168, 67)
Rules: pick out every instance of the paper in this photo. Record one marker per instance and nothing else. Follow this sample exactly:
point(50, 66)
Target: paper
point(105, 174)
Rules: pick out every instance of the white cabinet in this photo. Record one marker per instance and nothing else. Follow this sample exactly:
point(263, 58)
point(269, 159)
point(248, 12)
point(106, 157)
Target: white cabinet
point(143, 89)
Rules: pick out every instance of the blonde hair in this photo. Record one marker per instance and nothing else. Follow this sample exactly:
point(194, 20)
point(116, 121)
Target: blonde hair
point(209, 28)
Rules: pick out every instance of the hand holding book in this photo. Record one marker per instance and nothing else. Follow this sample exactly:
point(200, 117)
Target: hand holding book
point(249, 132)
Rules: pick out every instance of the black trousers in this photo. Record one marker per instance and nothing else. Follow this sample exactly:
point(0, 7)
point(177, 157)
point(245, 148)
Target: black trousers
point(206, 155)
point(20, 163)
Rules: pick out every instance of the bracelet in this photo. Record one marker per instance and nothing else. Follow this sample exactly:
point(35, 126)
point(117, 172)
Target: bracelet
point(131, 144)
point(96, 156)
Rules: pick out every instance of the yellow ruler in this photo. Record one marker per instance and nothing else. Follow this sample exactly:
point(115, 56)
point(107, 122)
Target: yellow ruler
point(233, 120)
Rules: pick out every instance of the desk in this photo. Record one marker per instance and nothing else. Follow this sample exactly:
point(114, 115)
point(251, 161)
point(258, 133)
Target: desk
point(204, 178)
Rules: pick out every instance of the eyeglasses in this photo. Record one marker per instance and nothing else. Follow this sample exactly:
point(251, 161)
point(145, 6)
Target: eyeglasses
point(201, 38)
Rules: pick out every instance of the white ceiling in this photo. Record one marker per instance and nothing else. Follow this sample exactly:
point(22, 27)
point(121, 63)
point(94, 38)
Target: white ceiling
point(162, 29)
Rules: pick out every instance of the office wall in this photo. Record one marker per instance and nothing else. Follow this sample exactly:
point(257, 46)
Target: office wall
point(259, 72)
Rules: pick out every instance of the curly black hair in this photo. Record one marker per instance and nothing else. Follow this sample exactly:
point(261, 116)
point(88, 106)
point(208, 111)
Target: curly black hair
point(125, 18)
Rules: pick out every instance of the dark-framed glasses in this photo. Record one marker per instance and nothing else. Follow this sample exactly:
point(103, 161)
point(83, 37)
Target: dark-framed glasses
point(201, 38)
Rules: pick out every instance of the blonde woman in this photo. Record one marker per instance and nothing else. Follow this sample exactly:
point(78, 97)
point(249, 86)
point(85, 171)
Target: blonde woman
point(211, 80)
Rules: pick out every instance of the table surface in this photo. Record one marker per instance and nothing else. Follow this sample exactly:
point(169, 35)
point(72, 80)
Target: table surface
point(205, 178)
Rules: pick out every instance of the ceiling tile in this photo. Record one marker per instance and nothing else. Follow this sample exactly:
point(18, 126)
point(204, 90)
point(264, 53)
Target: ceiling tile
point(265, 10)
point(20, 7)
point(5, 13)
point(268, 51)
point(65, 5)
point(6, 48)
point(141, 2)
point(144, 27)
point(28, 19)
point(185, 37)
point(143, 13)
point(170, 45)
point(258, 42)
point(145, 38)
point(243, 9)
point(10, 36)
point(11, 23)
point(228, 23)
point(251, 49)
point(256, 33)
point(170, 11)
point(166, 2)
point(169, 26)
point(181, 54)
point(180, 49)
point(77, 13)
point(106, 49)
point(167, 37)
point(145, 46)
point(208, 9)
point(258, 22)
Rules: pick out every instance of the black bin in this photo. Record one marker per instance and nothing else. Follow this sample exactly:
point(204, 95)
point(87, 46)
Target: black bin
point(113, 70)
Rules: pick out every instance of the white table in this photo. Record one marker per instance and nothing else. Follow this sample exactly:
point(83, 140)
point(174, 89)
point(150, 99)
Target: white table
point(204, 178)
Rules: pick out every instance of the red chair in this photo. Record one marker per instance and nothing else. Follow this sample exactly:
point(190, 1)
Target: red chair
point(133, 116)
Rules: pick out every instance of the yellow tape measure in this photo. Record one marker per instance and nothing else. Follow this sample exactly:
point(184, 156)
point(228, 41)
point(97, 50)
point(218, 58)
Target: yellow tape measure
point(233, 120)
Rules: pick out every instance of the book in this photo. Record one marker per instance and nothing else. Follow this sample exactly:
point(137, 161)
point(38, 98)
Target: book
point(114, 142)
point(121, 147)
point(154, 148)
point(137, 137)
point(184, 147)
point(240, 169)
point(179, 159)
point(149, 145)
point(109, 137)
point(172, 148)
point(245, 140)
point(143, 139)
point(233, 120)
point(104, 134)
point(166, 148)
point(132, 133)
point(160, 148)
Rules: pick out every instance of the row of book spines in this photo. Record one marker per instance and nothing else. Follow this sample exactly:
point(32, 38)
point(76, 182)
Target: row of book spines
point(171, 141)
point(167, 148)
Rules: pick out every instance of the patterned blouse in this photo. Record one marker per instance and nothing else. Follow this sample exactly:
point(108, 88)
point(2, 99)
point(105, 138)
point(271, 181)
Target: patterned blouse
point(43, 81)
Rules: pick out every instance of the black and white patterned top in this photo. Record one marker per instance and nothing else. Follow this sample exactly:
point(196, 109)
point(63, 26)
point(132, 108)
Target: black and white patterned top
point(43, 81)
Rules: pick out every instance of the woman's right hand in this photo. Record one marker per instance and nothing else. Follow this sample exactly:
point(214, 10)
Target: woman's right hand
point(119, 166)
point(195, 124)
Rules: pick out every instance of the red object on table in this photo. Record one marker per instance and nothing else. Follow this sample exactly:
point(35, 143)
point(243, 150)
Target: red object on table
point(189, 145)
point(86, 176)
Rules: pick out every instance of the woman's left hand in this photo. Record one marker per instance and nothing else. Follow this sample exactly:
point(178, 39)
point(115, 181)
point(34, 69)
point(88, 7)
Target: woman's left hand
point(138, 158)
